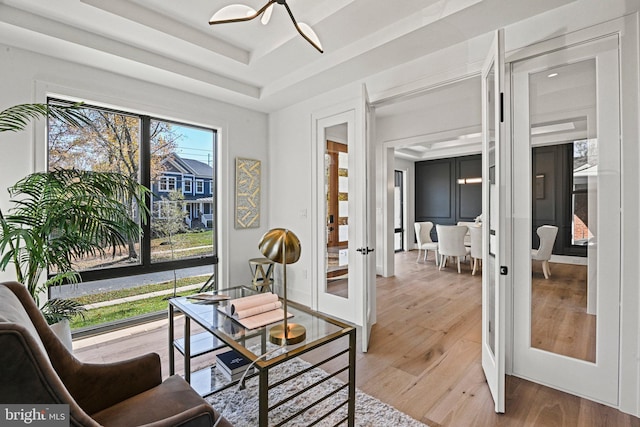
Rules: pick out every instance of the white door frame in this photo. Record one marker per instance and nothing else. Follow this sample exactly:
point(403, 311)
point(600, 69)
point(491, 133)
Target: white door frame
point(337, 306)
point(359, 307)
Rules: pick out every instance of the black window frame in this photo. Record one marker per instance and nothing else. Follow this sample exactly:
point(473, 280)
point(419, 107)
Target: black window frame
point(146, 266)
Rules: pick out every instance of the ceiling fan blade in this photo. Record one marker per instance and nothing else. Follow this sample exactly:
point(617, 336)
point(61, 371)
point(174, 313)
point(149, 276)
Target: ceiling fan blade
point(266, 16)
point(233, 13)
point(309, 35)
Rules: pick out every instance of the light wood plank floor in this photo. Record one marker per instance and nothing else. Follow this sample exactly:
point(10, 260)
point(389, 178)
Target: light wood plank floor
point(560, 322)
point(424, 357)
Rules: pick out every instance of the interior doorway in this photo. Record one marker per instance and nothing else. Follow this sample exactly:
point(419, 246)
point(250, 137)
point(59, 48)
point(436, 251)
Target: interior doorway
point(438, 122)
point(398, 211)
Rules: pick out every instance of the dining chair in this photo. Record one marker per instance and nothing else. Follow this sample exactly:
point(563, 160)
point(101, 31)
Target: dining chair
point(423, 237)
point(547, 235)
point(451, 243)
point(467, 237)
point(476, 246)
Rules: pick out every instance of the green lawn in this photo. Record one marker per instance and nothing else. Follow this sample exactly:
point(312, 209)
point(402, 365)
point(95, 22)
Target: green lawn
point(184, 240)
point(122, 311)
point(125, 310)
point(193, 243)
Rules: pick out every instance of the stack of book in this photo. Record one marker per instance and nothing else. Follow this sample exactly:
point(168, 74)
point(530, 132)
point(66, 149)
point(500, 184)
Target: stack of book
point(232, 364)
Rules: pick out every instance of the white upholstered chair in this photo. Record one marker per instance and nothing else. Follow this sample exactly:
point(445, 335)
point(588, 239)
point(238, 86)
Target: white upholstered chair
point(451, 243)
point(467, 237)
point(547, 235)
point(476, 246)
point(423, 237)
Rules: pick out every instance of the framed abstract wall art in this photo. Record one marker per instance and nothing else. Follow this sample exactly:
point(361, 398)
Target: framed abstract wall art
point(248, 176)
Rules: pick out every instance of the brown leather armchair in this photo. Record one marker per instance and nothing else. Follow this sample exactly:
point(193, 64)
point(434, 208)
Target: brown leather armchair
point(36, 368)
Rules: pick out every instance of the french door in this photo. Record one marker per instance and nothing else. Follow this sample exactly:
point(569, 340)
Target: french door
point(494, 222)
point(344, 198)
point(566, 130)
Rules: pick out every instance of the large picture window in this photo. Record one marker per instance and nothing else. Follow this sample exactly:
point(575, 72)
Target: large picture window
point(165, 157)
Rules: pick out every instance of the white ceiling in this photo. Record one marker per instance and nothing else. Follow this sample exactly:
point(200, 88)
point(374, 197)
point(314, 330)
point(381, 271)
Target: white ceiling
point(259, 67)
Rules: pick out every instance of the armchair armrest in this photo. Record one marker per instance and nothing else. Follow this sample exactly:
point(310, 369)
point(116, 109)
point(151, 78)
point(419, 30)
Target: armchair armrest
point(98, 386)
point(202, 415)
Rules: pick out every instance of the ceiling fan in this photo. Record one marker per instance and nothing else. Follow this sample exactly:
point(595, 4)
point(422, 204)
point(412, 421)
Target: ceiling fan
point(241, 12)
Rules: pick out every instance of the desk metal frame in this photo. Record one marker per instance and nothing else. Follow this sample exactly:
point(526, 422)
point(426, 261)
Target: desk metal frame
point(220, 339)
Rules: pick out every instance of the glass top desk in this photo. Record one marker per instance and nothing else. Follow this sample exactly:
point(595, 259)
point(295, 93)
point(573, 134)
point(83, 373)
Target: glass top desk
point(331, 338)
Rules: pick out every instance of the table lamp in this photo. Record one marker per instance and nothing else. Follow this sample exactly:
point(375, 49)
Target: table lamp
point(283, 247)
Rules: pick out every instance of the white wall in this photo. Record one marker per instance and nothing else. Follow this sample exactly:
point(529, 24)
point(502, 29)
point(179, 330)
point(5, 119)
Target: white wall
point(29, 77)
point(290, 135)
point(443, 112)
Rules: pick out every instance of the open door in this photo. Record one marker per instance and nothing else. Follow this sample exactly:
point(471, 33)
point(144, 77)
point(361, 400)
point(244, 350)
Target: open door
point(569, 343)
point(369, 226)
point(494, 222)
point(344, 215)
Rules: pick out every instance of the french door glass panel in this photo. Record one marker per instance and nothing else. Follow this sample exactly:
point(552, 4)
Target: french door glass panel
point(567, 145)
point(337, 211)
point(338, 274)
point(564, 164)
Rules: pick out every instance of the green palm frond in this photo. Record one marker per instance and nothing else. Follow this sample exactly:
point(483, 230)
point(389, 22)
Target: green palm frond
point(67, 214)
point(57, 309)
point(62, 215)
point(17, 118)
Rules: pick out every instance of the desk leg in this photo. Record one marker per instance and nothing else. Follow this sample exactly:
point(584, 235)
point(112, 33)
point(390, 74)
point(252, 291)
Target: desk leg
point(172, 357)
point(352, 378)
point(263, 398)
point(187, 349)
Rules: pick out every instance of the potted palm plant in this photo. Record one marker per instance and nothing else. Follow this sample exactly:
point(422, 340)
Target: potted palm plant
point(62, 215)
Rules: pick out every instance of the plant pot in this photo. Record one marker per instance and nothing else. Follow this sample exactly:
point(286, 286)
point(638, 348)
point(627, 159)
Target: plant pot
point(62, 329)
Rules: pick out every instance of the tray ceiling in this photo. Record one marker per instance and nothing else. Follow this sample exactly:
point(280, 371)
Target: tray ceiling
point(248, 64)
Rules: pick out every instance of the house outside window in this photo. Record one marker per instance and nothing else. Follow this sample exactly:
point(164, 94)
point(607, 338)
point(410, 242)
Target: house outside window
point(199, 186)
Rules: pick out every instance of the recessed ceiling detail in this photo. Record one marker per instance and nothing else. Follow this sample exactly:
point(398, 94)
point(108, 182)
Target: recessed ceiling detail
point(264, 68)
point(152, 19)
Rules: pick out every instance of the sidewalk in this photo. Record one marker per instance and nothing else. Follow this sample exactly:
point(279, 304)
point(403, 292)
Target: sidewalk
point(142, 296)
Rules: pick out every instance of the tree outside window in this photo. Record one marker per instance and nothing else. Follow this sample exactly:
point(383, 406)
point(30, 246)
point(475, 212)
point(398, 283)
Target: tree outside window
point(154, 152)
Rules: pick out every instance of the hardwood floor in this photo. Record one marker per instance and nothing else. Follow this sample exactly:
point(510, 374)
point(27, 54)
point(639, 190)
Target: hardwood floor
point(424, 356)
point(560, 322)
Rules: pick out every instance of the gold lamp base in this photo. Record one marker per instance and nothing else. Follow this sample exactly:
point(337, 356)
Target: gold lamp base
point(297, 333)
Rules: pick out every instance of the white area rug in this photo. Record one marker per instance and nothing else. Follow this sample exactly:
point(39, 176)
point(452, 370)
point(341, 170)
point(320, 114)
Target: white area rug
point(240, 407)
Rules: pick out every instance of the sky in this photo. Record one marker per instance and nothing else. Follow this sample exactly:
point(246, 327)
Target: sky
point(196, 143)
